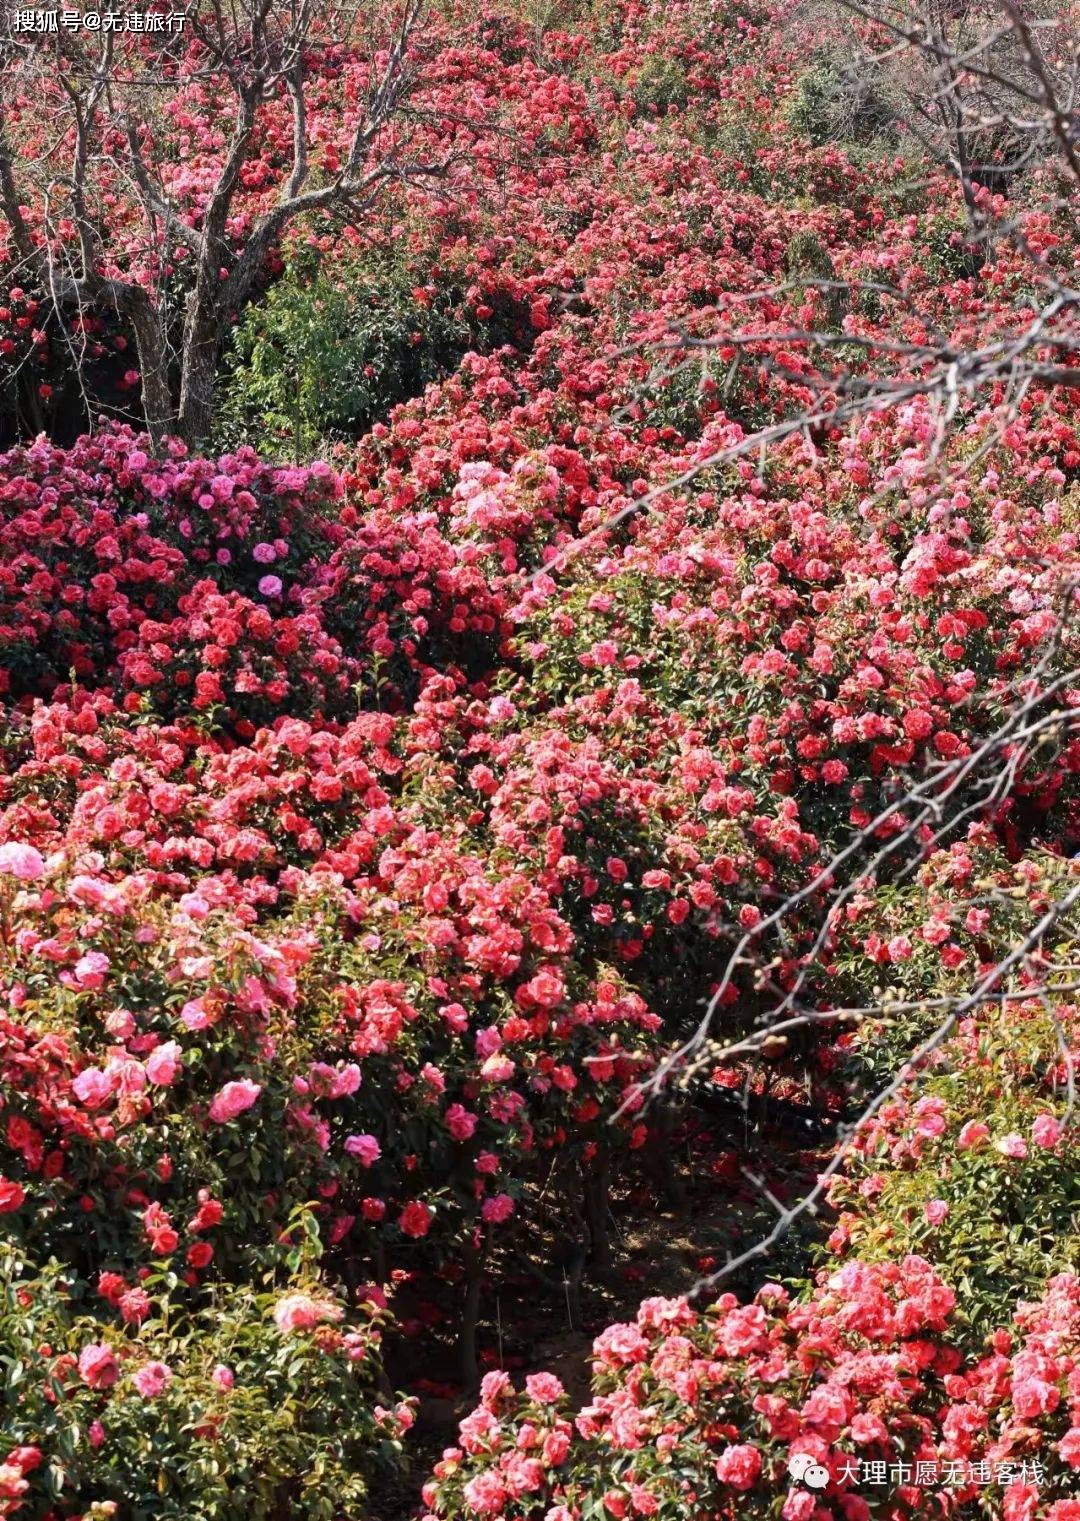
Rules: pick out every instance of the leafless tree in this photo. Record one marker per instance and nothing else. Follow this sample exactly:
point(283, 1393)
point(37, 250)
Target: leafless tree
point(79, 117)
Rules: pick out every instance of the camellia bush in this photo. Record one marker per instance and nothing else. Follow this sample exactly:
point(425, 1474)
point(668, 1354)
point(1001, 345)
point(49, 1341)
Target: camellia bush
point(928, 1367)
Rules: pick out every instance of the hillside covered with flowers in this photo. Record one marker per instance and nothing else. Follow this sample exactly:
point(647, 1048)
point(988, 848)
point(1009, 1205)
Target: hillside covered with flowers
point(528, 658)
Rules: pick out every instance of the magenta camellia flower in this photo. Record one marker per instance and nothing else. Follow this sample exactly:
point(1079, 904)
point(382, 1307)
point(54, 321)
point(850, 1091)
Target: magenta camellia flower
point(299, 1312)
point(152, 1379)
point(264, 553)
point(92, 1088)
point(365, 1147)
point(21, 861)
point(223, 1376)
point(270, 586)
point(233, 1099)
point(98, 1366)
point(497, 1209)
point(935, 1211)
point(460, 1122)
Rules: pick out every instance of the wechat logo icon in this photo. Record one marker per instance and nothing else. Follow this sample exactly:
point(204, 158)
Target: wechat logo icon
point(807, 1470)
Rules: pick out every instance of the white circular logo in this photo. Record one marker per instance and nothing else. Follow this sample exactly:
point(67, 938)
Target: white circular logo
point(807, 1470)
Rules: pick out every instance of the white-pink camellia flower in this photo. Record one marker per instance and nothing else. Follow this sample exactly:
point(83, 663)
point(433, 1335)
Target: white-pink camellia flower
point(299, 1312)
point(233, 1099)
point(497, 1069)
point(21, 861)
point(163, 1063)
point(92, 969)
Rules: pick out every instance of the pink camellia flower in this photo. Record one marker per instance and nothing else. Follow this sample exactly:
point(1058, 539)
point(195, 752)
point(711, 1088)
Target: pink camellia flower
point(495, 1386)
point(415, 1219)
point(96, 1433)
point(1012, 1145)
point(485, 1494)
point(929, 1116)
point(135, 1306)
point(233, 1099)
point(556, 1446)
point(544, 1388)
point(92, 1088)
point(264, 553)
point(120, 1023)
point(163, 1063)
point(299, 1312)
point(98, 1366)
point(973, 1135)
point(21, 861)
point(223, 1377)
point(739, 1466)
point(1046, 1131)
point(270, 586)
point(497, 1209)
point(936, 1211)
point(152, 1379)
point(364, 1147)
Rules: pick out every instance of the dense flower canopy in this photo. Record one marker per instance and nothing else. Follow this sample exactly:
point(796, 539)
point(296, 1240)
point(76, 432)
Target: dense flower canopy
point(371, 829)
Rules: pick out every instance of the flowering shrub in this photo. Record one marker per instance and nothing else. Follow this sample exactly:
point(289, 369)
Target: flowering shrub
point(849, 1403)
point(979, 1164)
point(124, 1400)
point(97, 540)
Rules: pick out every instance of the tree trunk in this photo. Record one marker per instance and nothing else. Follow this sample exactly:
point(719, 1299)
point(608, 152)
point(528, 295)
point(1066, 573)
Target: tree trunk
point(596, 1211)
point(202, 346)
point(468, 1365)
point(664, 1160)
point(154, 374)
